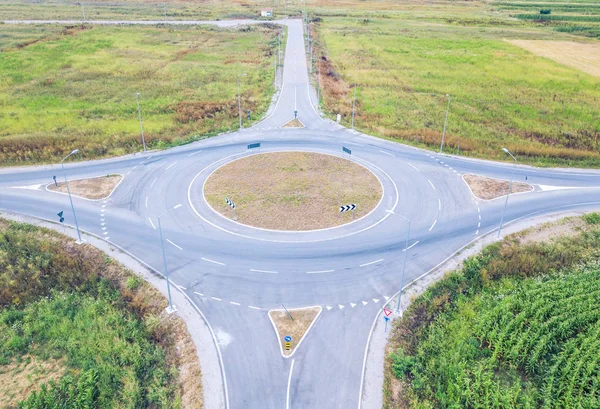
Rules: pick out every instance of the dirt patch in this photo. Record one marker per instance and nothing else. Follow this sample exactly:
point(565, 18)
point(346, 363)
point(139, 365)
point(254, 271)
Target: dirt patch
point(581, 56)
point(294, 328)
point(93, 188)
point(293, 190)
point(194, 111)
point(567, 227)
point(294, 123)
point(20, 378)
point(488, 188)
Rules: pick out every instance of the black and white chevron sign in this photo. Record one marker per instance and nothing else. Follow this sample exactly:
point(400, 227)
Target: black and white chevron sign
point(347, 208)
point(230, 203)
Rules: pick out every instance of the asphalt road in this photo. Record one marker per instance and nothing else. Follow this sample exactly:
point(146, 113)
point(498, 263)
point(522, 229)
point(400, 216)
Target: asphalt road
point(235, 273)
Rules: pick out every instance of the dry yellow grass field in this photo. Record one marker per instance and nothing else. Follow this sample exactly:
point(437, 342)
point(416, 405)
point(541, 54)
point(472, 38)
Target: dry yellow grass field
point(293, 190)
point(488, 188)
point(578, 55)
point(296, 328)
point(93, 188)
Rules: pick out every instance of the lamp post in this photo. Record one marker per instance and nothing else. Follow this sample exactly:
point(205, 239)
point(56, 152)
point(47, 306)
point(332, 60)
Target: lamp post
point(171, 308)
point(82, 10)
point(445, 123)
point(239, 98)
point(509, 186)
point(137, 98)
point(353, 105)
point(405, 255)
point(69, 192)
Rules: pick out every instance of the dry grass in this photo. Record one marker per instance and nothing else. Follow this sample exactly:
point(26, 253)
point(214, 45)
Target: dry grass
point(567, 227)
point(488, 188)
point(20, 378)
point(293, 190)
point(294, 123)
point(578, 55)
point(303, 317)
point(93, 188)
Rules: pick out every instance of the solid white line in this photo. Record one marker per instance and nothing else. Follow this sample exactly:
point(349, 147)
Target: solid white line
point(287, 399)
point(234, 303)
point(372, 262)
point(319, 272)
point(199, 294)
point(193, 153)
point(216, 299)
point(213, 261)
point(153, 182)
point(413, 167)
point(153, 226)
point(253, 307)
point(431, 228)
point(146, 202)
point(431, 184)
point(387, 153)
point(411, 246)
point(174, 244)
point(171, 165)
point(263, 271)
point(439, 204)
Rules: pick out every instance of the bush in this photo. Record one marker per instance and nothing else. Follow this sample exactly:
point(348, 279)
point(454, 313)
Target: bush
point(401, 364)
point(545, 11)
point(592, 218)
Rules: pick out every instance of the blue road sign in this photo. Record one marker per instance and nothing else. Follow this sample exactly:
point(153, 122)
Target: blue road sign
point(348, 151)
point(386, 319)
point(254, 145)
point(287, 338)
point(60, 216)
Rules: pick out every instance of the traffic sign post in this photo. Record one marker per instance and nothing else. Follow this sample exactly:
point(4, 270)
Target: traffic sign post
point(287, 346)
point(387, 312)
point(232, 205)
point(54, 177)
point(347, 208)
point(386, 319)
point(60, 216)
point(287, 338)
point(348, 151)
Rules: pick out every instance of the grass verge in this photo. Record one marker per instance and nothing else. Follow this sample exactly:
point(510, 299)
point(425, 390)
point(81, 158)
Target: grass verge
point(514, 328)
point(73, 308)
point(92, 188)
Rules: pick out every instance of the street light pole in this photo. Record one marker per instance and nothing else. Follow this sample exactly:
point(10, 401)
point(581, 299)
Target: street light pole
point(69, 192)
point(353, 105)
point(445, 123)
point(171, 308)
point(82, 11)
point(240, 99)
point(137, 98)
point(405, 256)
point(509, 186)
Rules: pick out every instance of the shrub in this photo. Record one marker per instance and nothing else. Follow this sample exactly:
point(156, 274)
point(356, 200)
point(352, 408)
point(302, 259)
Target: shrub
point(592, 218)
point(401, 363)
point(545, 11)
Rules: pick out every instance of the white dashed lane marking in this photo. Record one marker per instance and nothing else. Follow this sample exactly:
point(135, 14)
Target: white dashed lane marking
point(263, 271)
point(431, 228)
point(371, 262)
point(320, 272)
point(213, 261)
point(171, 165)
point(431, 184)
point(153, 226)
point(174, 244)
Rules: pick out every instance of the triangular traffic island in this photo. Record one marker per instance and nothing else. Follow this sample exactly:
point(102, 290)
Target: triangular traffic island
point(485, 188)
point(292, 325)
point(294, 123)
point(95, 188)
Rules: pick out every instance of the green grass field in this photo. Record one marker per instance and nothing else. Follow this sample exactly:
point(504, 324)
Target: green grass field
point(518, 327)
point(95, 328)
point(502, 95)
point(76, 87)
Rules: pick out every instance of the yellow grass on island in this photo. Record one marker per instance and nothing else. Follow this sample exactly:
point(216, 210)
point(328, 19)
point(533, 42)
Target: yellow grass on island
point(488, 188)
point(93, 188)
point(20, 378)
point(581, 56)
point(294, 123)
point(294, 327)
point(293, 191)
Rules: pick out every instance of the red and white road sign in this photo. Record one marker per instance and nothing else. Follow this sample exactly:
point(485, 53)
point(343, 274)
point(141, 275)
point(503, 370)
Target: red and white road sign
point(387, 312)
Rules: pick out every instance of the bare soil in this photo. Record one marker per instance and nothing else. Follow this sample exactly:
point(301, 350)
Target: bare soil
point(296, 328)
point(581, 56)
point(20, 378)
point(488, 188)
point(293, 190)
point(294, 123)
point(93, 188)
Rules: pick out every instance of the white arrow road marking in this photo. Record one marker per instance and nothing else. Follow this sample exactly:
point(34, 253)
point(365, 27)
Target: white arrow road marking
point(102, 220)
point(174, 244)
point(105, 233)
point(365, 302)
point(30, 187)
point(328, 307)
point(376, 300)
point(340, 306)
point(386, 297)
point(104, 228)
point(352, 305)
point(102, 224)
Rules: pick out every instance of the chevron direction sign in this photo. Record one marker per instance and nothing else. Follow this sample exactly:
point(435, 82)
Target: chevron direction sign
point(230, 203)
point(347, 208)
point(254, 145)
point(348, 151)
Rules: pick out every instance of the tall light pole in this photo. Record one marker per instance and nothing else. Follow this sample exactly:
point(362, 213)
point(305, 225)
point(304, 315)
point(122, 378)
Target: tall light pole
point(240, 99)
point(165, 11)
point(509, 186)
point(445, 123)
point(82, 11)
point(137, 98)
point(405, 255)
point(171, 308)
point(69, 192)
point(353, 105)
